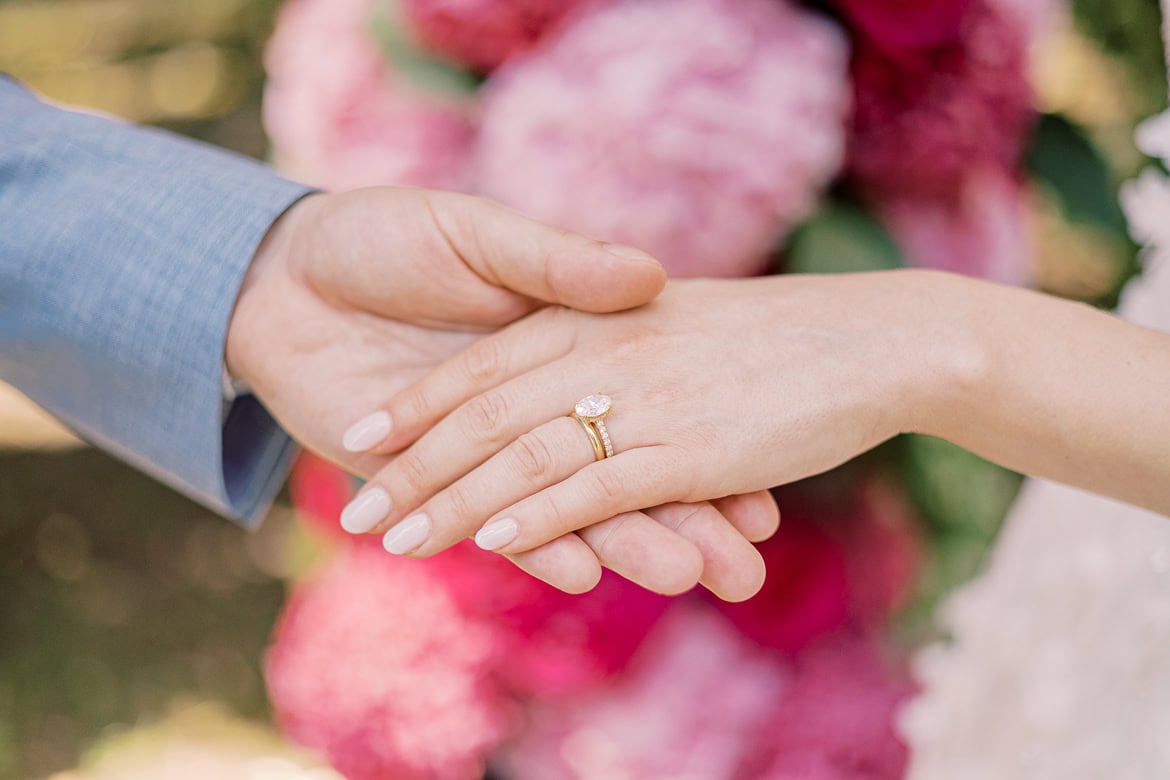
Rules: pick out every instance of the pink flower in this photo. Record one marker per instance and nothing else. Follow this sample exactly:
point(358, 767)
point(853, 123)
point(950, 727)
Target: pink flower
point(836, 719)
point(883, 552)
point(926, 117)
point(339, 119)
point(484, 33)
point(851, 560)
point(980, 229)
point(692, 707)
point(893, 26)
point(698, 130)
point(374, 666)
point(551, 643)
point(320, 490)
point(806, 593)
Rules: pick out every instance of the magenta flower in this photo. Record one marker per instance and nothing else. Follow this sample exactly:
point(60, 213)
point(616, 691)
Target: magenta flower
point(484, 33)
point(551, 643)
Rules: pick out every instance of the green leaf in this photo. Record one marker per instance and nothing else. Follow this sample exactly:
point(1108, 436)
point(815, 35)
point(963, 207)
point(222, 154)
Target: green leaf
point(1066, 161)
point(412, 61)
point(842, 238)
point(959, 492)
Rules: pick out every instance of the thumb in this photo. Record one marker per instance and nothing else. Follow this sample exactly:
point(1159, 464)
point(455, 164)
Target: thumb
point(548, 264)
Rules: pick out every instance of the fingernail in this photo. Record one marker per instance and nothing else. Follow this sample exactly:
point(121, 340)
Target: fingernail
point(366, 511)
point(407, 535)
point(629, 253)
point(367, 433)
point(497, 533)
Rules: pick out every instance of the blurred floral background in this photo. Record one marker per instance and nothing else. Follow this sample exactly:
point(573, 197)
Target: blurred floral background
point(133, 623)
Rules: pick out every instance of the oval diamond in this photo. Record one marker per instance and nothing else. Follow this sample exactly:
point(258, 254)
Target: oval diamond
point(594, 406)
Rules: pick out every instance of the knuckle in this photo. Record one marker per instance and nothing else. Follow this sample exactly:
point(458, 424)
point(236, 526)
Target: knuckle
point(416, 405)
point(552, 514)
point(413, 471)
point(487, 417)
point(686, 514)
point(484, 360)
point(607, 484)
point(460, 503)
point(533, 457)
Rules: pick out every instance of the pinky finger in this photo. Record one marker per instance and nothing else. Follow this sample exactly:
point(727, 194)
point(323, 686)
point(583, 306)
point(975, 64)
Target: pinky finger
point(566, 563)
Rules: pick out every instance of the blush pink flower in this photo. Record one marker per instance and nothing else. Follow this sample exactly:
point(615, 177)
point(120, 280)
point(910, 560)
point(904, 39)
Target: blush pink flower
point(551, 643)
point(979, 229)
point(691, 707)
point(339, 119)
point(374, 666)
point(484, 33)
point(836, 720)
point(925, 117)
point(698, 130)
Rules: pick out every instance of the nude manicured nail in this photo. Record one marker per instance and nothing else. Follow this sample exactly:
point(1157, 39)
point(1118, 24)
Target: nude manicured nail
point(367, 433)
point(497, 533)
point(629, 253)
point(366, 511)
point(407, 535)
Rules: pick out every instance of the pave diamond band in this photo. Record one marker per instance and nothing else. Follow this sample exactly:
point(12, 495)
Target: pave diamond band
point(605, 442)
point(590, 411)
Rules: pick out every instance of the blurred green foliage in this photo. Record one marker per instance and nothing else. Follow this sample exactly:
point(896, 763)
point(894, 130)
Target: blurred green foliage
point(841, 238)
point(119, 597)
point(1130, 31)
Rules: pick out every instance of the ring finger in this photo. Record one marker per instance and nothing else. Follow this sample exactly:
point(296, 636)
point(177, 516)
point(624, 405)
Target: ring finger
point(535, 460)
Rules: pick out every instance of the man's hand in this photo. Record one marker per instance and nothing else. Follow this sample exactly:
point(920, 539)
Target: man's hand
point(354, 296)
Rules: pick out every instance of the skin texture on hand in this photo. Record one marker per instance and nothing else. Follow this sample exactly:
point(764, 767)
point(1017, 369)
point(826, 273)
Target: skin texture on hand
point(354, 296)
point(725, 387)
point(719, 388)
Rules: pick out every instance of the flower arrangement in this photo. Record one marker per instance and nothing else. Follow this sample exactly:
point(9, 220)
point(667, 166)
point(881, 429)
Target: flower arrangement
point(730, 138)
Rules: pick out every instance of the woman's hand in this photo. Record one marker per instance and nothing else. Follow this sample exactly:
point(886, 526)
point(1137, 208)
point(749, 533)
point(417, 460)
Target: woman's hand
point(719, 388)
point(354, 296)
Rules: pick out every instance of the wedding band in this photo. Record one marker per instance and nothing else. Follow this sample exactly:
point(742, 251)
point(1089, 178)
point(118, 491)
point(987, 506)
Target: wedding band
point(605, 442)
point(590, 411)
point(594, 438)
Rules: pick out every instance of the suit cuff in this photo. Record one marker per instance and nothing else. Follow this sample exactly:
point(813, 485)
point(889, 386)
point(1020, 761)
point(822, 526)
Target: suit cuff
point(122, 253)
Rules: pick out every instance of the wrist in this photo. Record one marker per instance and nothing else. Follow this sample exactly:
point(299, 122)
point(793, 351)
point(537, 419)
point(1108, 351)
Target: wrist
point(952, 363)
point(270, 262)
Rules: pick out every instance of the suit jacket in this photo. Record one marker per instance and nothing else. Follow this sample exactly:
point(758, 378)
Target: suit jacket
point(122, 252)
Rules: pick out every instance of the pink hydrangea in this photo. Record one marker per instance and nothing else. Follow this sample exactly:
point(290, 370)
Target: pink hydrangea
point(692, 707)
point(374, 666)
point(701, 701)
point(836, 720)
point(339, 119)
point(484, 33)
point(980, 229)
point(698, 130)
point(925, 117)
point(551, 643)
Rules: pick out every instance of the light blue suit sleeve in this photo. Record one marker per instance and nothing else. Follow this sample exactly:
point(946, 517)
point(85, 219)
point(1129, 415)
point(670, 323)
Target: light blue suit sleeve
point(122, 251)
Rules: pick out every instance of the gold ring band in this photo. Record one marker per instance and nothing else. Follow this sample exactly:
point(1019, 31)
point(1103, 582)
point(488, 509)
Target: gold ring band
point(594, 438)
